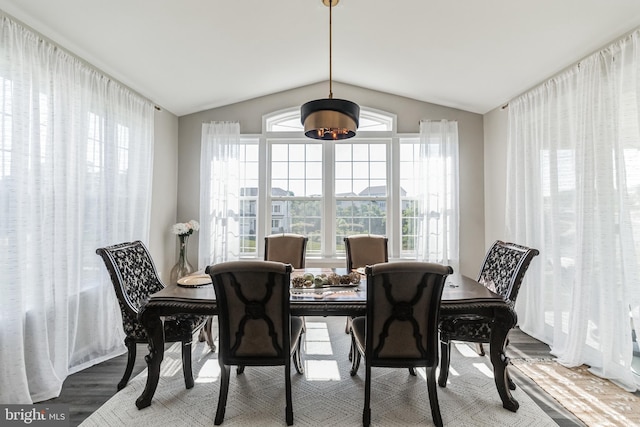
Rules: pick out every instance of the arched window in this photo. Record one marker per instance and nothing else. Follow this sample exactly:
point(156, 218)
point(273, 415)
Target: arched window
point(289, 121)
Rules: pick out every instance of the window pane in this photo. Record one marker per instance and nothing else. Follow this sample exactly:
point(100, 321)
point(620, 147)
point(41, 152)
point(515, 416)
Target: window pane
point(314, 170)
point(361, 182)
point(314, 151)
point(378, 152)
point(361, 187)
point(279, 170)
point(360, 170)
point(343, 171)
point(343, 188)
point(298, 216)
point(296, 152)
point(296, 191)
point(297, 187)
point(297, 163)
point(355, 169)
point(296, 170)
point(280, 152)
point(248, 196)
point(361, 216)
point(314, 187)
point(343, 152)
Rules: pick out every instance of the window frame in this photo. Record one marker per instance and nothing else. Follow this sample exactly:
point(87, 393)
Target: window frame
point(328, 255)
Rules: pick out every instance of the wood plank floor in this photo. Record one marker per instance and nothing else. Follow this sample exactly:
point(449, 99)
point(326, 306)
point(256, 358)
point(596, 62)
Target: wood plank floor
point(87, 390)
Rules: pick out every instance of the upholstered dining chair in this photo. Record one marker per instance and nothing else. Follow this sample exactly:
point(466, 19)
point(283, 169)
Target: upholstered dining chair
point(288, 248)
point(502, 271)
point(362, 250)
point(365, 249)
point(255, 324)
point(134, 277)
point(400, 329)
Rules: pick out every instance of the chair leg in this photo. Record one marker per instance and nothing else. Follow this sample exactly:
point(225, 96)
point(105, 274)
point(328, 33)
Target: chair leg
point(355, 358)
point(225, 373)
point(433, 396)
point(186, 364)
point(206, 334)
point(131, 360)
point(512, 385)
point(445, 361)
point(366, 412)
point(412, 371)
point(480, 349)
point(287, 382)
point(347, 330)
point(297, 358)
point(239, 369)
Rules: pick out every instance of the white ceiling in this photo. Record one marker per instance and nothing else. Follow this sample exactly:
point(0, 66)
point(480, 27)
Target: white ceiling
point(191, 55)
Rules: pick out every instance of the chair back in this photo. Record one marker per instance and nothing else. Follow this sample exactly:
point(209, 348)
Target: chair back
point(504, 267)
point(133, 274)
point(403, 303)
point(253, 316)
point(287, 248)
point(365, 249)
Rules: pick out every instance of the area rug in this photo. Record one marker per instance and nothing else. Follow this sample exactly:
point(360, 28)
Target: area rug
point(594, 400)
point(326, 395)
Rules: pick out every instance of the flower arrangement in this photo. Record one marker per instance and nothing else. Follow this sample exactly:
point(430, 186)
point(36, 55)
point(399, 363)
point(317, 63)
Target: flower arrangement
point(185, 228)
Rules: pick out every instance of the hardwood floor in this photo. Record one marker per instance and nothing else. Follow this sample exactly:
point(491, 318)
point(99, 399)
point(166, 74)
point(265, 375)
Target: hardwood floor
point(524, 346)
point(87, 390)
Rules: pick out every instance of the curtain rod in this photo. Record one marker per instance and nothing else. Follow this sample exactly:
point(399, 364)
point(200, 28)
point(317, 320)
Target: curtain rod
point(574, 64)
point(46, 39)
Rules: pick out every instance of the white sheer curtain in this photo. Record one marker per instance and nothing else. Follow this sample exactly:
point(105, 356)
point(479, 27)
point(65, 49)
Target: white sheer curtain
point(75, 174)
point(219, 193)
point(439, 212)
point(573, 185)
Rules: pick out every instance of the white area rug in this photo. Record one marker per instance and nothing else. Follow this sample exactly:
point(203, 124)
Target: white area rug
point(326, 395)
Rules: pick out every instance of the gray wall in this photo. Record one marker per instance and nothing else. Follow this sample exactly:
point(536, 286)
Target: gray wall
point(495, 173)
point(162, 244)
point(409, 113)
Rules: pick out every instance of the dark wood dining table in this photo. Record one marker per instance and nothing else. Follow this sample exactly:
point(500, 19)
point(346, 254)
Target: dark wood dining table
point(461, 296)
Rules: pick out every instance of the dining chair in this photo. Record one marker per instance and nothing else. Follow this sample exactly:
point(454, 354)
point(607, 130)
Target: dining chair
point(288, 248)
point(134, 277)
point(365, 249)
point(362, 250)
point(400, 329)
point(502, 271)
point(255, 325)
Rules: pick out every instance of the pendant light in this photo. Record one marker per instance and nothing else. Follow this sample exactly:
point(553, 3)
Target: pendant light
point(329, 118)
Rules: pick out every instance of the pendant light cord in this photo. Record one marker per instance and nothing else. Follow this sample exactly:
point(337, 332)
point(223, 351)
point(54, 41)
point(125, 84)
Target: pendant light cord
point(330, 53)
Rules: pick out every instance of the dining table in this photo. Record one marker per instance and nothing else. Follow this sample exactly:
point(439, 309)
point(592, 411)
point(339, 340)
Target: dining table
point(461, 296)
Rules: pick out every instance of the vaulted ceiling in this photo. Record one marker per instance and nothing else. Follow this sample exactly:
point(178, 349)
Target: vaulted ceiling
point(191, 55)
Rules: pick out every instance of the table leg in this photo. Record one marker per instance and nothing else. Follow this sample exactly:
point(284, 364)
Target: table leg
point(500, 362)
point(155, 330)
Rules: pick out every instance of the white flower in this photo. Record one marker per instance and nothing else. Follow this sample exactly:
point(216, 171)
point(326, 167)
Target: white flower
point(194, 225)
point(185, 228)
